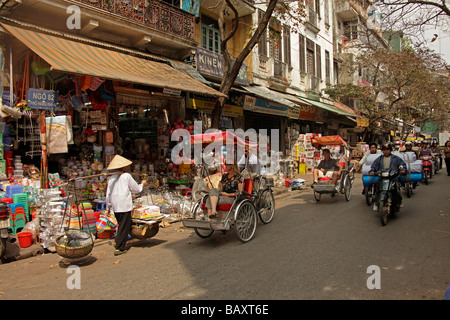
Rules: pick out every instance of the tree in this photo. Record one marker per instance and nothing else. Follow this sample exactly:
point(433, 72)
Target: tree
point(230, 71)
point(404, 86)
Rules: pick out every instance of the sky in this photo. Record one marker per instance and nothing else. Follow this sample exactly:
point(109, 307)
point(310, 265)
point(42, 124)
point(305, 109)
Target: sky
point(442, 43)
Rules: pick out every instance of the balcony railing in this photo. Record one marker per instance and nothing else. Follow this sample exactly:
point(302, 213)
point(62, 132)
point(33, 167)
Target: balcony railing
point(279, 69)
point(312, 22)
point(313, 83)
point(151, 13)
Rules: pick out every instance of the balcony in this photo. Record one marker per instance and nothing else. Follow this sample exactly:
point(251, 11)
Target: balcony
point(152, 13)
point(281, 78)
point(313, 83)
point(312, 23)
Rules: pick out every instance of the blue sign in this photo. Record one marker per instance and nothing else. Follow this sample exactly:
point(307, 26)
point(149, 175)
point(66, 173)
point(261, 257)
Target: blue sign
point(41, 99)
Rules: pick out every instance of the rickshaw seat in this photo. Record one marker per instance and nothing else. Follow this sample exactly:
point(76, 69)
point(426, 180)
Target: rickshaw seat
point(220, 207)
point(248, 185)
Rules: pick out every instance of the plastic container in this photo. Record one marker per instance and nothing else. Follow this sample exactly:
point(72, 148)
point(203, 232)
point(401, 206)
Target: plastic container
point(25, 239)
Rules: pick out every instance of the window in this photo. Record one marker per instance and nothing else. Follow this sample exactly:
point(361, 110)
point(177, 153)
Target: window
point(262, 44)
point(175, 3)
point(351, 29)
point(210, 34)
point(287, 45)
point(319, 62)
point(275, 39)
point(310, 59)
point(326, 12)
point(327, 68)
point(302, 53)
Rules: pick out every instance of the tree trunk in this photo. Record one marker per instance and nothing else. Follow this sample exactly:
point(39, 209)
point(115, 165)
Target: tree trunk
point(230, 74)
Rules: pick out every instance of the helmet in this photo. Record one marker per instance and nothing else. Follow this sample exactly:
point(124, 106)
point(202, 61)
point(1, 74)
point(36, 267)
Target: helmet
point(386, 146)
point(408, 143)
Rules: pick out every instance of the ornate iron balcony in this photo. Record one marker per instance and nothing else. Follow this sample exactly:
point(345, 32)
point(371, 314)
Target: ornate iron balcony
point(151, 13)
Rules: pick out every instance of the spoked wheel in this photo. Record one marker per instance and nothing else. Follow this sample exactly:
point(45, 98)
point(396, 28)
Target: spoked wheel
point(246, 220)
point(266, 206)
point(370, 195)
point(347, 188)
point(317, 195)
point(384, 211)
point(198, 215)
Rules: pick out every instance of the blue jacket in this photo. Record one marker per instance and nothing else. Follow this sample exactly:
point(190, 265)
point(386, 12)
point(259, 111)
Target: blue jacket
point(396, 161)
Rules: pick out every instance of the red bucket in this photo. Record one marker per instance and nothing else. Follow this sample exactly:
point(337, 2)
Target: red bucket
point(25, 239)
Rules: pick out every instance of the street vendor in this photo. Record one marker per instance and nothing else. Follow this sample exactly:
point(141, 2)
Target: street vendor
point(119, 199)
point(228, 189)
point(327, 168)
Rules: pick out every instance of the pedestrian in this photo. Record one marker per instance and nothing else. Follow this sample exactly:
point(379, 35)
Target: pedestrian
point(119, 199)
point(447, 156)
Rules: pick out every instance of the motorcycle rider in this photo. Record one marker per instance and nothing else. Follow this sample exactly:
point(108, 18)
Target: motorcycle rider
point(409, 148)
point(373, 149)
point(437, 151)
point(425, 150)
point(391, 162)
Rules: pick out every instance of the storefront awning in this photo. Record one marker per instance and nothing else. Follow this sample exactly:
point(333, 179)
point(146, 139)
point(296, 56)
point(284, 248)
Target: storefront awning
point(267, 94)
point(79, 58)
point(328, 107)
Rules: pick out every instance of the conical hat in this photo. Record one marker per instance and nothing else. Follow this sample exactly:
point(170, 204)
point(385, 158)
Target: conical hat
point(119, 162)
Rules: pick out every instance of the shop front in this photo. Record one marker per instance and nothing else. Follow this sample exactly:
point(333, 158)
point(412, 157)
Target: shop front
point(77, 105)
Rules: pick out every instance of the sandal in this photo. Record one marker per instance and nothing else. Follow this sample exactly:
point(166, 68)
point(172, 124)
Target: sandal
point(213, 216)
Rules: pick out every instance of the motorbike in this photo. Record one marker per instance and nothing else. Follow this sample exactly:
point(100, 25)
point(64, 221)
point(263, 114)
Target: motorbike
point(437, 162)
point(388, 202)
point(427, 168)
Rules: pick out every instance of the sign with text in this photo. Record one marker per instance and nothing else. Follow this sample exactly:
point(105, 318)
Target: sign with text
point(211, 63)
point(41, 99)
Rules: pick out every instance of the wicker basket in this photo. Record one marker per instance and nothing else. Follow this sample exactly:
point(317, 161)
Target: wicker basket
point(72, 252)
point(138, 230)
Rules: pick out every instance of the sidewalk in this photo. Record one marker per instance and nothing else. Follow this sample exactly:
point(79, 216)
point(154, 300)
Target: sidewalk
point(14, 252)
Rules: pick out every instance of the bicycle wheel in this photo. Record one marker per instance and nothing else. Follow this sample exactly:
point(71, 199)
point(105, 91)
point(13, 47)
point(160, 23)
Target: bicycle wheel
point(199, 215)
point(246, 220)
point(347, 188)
point(266, 206)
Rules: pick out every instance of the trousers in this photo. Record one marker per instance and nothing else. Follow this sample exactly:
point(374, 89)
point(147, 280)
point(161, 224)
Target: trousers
point(124, 221)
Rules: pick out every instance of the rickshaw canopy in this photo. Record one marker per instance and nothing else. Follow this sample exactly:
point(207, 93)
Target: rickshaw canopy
point(327, 141)
point(221, 136)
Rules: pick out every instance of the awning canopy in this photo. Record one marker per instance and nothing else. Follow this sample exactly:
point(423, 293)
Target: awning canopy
point(329, 107)
point(80, 58)
point(267, 94)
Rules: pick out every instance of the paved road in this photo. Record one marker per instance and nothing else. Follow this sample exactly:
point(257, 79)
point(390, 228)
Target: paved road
point(310, 251)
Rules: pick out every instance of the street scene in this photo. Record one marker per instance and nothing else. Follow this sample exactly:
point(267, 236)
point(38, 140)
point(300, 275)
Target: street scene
point(224, 150)
point(311, 250)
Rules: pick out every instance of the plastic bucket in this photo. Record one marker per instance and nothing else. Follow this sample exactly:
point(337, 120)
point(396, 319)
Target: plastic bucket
point(25, 239)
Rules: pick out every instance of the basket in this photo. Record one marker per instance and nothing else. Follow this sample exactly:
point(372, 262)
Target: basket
point(138, 230)
point(72, 252)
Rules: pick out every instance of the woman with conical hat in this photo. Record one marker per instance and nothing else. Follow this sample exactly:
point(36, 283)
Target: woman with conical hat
point(119, 199)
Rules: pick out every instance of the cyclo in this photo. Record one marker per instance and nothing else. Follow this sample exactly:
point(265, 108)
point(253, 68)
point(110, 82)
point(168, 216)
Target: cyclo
point(256, 199)
point(345, 180)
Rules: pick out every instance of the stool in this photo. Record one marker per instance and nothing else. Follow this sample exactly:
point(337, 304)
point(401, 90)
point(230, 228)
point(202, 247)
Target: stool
point(17, 218)
point(23, 199)
point(101, 206)
point(13, 189)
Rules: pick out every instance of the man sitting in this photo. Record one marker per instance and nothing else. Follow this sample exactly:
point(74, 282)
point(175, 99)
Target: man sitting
point(327, 168)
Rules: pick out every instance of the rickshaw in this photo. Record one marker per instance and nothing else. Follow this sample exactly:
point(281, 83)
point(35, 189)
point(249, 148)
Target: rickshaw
point(345, 180)
point(256, 199)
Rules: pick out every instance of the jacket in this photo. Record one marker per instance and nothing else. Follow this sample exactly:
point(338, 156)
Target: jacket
point(396, 162)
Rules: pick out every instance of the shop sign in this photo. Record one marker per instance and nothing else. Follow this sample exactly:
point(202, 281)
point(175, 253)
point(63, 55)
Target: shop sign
point(362, 122)
point(264, 106)
point(173, 92)
point(308, 112)
point(293, 113)
point(211, 63)
point(228, 109)
point(41, 99)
